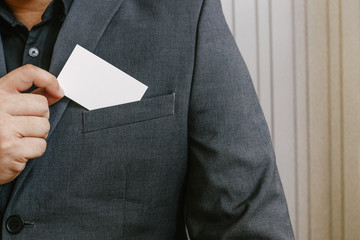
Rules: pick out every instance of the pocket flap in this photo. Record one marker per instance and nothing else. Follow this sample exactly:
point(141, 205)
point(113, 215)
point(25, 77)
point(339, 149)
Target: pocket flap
point(146, 109)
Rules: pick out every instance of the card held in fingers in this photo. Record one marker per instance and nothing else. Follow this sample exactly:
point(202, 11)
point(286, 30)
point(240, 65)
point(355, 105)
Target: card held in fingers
point(94, 83)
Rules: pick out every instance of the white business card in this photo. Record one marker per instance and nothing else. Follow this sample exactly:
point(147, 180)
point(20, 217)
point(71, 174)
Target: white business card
point(94, 83)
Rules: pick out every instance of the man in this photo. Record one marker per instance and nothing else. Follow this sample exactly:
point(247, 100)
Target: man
point(193, 154)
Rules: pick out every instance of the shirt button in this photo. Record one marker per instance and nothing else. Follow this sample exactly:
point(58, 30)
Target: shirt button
point(33, 52)
point(15, 224)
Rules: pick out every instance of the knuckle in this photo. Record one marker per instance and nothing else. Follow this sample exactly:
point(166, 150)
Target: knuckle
point(7, 126)
point(42, 104)
point(42, 101)
point(4, 124)
point(48, 79)
point(6, 146)
point(52, 78)
point(4, 101)
point(46, 124)
point(28, 68)
point(17, 166)
point(47, 113)
point(42, 146)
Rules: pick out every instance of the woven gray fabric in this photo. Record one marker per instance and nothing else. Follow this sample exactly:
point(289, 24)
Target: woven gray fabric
point(195, 151)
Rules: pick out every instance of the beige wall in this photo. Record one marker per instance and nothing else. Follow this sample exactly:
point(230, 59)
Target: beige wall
point(304, 58)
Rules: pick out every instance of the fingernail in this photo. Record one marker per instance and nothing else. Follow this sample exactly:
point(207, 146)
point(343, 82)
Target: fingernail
point(61, 91)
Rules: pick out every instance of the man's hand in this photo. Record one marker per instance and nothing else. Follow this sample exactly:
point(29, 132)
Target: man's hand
point(24, 117)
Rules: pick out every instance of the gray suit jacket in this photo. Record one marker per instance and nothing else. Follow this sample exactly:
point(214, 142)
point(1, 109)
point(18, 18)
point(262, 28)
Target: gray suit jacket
point(195, 152)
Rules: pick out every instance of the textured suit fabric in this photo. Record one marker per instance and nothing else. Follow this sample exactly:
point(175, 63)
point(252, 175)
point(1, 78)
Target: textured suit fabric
point(195, 152)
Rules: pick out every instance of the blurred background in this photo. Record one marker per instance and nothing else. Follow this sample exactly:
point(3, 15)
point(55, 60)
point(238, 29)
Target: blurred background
point(304, 59)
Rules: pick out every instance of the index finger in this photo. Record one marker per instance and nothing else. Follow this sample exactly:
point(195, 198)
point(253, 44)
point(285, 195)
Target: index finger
point(24, 77)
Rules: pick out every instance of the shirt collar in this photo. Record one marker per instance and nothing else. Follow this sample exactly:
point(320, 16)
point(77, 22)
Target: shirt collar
point(5, 14)
point(67, 5)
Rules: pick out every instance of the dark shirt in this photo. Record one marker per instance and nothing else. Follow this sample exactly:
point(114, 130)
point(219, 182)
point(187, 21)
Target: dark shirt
point(22, 46)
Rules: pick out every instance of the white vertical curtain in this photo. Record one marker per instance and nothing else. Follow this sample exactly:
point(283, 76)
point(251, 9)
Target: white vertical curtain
point(304, 59)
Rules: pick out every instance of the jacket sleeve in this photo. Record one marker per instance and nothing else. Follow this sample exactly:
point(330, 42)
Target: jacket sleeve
point(233, 186)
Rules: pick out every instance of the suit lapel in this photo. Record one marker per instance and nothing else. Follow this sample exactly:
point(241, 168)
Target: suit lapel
point(2, 68)
point(2, 60)
point(84, 25)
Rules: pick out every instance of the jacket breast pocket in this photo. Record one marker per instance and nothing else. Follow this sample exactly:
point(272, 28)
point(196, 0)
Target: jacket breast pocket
point(144, 110)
